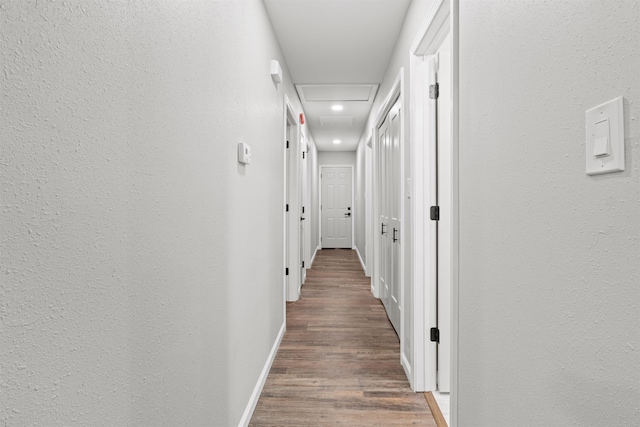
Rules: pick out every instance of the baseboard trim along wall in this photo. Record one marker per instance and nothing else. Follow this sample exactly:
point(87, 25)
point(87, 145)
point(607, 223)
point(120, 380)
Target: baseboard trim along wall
point(364, 267)
point(407, 367)
point(313, 257)
point(253, 401)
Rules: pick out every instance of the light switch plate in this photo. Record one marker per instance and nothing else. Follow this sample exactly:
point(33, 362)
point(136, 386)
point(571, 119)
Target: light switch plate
point(605, 138)
point(244, 153)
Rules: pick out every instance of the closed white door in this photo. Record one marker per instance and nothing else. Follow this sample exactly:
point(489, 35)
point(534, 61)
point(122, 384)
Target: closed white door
point(388, 146)
point(385, 260)
point(335, 207)
point(394, 201)
point(303, 197)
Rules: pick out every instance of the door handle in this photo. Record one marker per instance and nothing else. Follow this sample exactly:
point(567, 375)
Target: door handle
point(347, 214)
point(382, 231)
point(301, 218)
point(394, 234)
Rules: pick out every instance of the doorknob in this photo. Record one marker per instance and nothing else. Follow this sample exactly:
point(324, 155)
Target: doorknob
point(301, 218)
point(394, 234)
point(347, 214)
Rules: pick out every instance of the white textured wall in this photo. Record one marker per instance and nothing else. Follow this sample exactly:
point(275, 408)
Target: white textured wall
point(336, 158)
point(141, 264)
point(549, 257)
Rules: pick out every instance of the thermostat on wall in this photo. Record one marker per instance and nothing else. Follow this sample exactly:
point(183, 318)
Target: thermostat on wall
point(244, 153)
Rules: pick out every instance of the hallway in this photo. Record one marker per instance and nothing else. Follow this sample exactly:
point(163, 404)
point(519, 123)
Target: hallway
point(338, 361)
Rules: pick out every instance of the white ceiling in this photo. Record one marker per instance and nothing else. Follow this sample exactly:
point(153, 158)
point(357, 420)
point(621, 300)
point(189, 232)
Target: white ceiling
point(331, 43)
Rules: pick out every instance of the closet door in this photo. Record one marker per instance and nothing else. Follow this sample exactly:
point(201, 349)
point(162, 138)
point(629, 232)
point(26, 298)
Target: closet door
point(394, 201)
point(383, 222)
point(390, 197)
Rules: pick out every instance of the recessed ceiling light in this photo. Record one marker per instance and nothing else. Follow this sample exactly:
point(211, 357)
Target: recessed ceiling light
point(337, 107)
point(336, 141)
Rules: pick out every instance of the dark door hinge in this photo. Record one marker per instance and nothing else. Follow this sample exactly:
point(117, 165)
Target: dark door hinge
point(302, 264)
point(435, 213)
point(286, 209)
point(435, 335)
point(303, 209)
point(303, 153)
point(286, 271)
point(434, 91)
point(287, 144)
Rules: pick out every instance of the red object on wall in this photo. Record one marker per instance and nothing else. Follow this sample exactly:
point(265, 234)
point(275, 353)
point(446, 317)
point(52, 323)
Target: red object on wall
point(301, 118)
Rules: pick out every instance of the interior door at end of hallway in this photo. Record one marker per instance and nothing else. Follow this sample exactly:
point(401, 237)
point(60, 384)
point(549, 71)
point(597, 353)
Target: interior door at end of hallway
point(336, 212)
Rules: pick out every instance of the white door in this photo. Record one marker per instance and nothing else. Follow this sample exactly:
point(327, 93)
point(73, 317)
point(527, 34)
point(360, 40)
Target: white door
point(439, 183)
point(395, 200)
point(293, 208)
point(444, 194)
point(385, 264)
point(303, 197)
point(390, 196)
point(335, 207)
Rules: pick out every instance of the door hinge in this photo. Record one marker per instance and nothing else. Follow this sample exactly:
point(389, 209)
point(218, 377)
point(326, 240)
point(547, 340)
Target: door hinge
point(302, 264)
point(435, 335)
point(286, 209)
point(303, 209)
point(434, 91)
point(303, 153)
point(287, 144)
point(435, 213)
point(286, 271)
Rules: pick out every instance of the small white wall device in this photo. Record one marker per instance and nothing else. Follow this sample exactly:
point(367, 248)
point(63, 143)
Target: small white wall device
point(276, 71)
point(244, 153)
point(605, 138)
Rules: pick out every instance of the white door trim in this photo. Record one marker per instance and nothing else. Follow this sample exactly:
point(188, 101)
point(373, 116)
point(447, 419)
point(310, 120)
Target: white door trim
point(441, 20)
point(368, 208)
point(353, 207)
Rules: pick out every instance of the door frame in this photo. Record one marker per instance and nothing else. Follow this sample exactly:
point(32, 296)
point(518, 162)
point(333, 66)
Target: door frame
point(441, 20)
point(368, 208)
point(353, 207)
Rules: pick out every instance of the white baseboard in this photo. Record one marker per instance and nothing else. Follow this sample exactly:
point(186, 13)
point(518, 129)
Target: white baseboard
point(253, 401)
point(407, 369)
point(313, 257)
point(374, 291)
point(364, 267)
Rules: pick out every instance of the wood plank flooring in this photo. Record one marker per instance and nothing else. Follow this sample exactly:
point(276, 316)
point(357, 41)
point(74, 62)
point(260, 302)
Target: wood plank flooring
point(339, 361)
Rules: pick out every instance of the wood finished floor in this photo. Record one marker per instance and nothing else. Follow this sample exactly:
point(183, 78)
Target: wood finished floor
point(339, 361)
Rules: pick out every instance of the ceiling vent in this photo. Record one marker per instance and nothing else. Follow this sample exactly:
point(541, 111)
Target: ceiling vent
point(333, 121)
point(333, 93)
